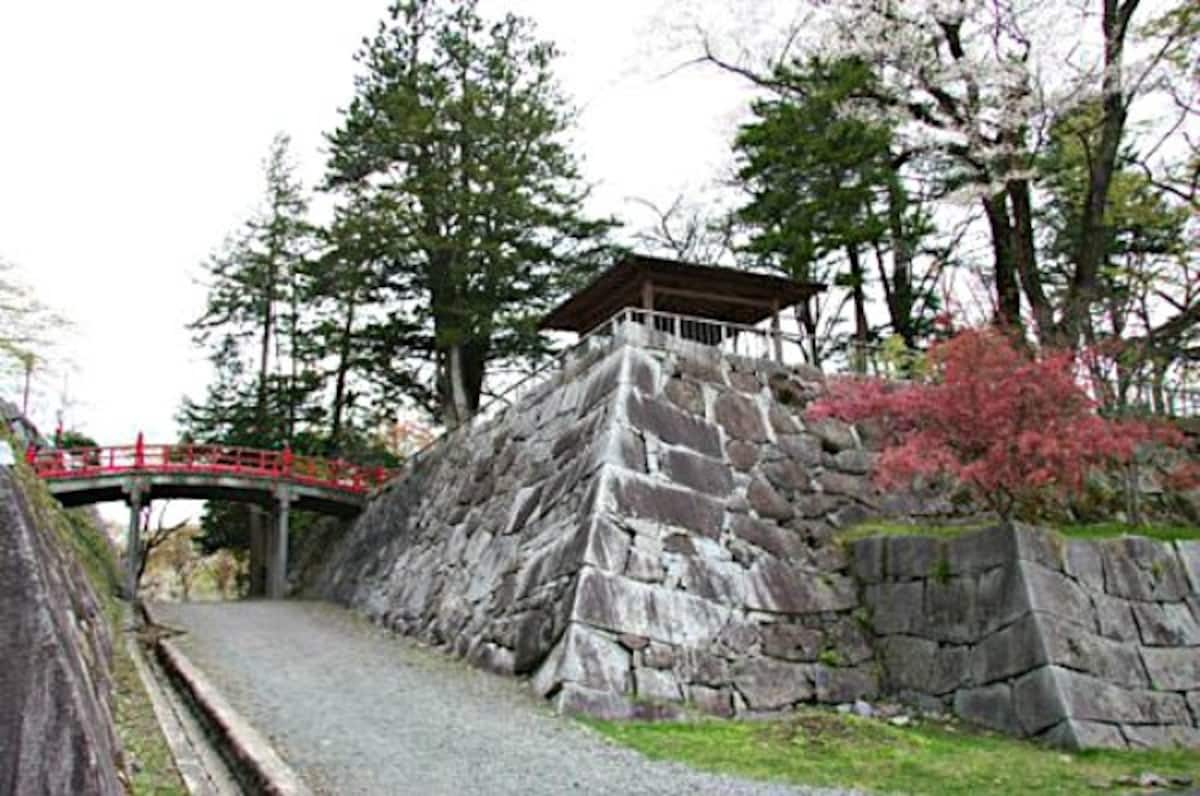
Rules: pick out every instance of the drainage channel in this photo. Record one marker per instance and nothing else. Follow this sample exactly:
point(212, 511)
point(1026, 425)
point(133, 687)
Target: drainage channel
point(216, 751)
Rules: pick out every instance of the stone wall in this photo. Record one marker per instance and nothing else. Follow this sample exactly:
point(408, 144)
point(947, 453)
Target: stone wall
point(652, 527)
point(56, 730)
point(1080, 643)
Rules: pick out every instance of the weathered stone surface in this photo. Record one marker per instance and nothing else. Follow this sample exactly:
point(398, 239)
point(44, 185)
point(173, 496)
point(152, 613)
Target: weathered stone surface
point(621, 605)
point(1071, 734)
point(1003, 597)
point(912, 556)
point(722, 582)
point(637, 497)
point(858, 462)
point(1115, 618)
point(779, 588)
point(740, 417)
point(854, 486)
point(1189, 556)
point(787, 476)
point(1166, 624)
point(1140, 569)
point(575, 700)
point(1159, 737)
point(739, 638)
point(1087, 697)
point(980, 551)
point(777, 541)
point(816, 505)
point(803, 449)
point(835, 436)
point(895, 607)
point(767, 502)
point(850, 641)
point(951, 610)
point(705, 475)
point(921, 665)
point(1173, 668)
point(1083, 562)
point(672, 426)
point(56, 730)
point(1068, 644)
point(713, 701)
point(770, 685)
point(868, 559)
point(1038, 701)
point(782, 421)
point(1052, 592)
point(744, 381)
point(658, 684)
point(1008, 652)
point(644, 567)
point(742, 455)
point(1038, 545)
point(685, 394)
point(697, 666)
point(792, 642)
point(835, 685)
point(990, 706)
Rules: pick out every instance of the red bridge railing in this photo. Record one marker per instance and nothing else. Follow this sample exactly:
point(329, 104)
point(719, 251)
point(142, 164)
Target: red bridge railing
point(210, 459)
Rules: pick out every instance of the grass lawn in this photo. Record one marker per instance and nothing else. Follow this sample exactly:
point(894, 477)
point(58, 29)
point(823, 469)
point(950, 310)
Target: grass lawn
point(1098, 530)
point(824, 748)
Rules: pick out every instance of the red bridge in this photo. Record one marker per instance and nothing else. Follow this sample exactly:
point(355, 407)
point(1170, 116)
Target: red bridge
point(138, 474)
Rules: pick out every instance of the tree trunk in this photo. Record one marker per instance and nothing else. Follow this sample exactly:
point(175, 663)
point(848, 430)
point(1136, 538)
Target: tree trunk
point(861, 330)
point(1025, 258)
point(899, 289)
point(343, 367)
point(1008, 295)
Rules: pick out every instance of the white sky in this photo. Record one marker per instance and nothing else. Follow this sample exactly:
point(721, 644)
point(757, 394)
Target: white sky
point(133, 134)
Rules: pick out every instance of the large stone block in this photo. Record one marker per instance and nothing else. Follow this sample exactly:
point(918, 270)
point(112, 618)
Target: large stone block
point(685, 394)
point(770, 685)
point(868, 559)
point(575, 700)
point(1161, 737)
point(836, 685)
point(950, 611)
point(787, 476)
point(705, 475)
point(657, 684)
point(741, 417)
point(1140, 569)
point(912, 556)
point(1003, 597)
point(835, 436)
point(1052, 592)
point(981, 550)
point(1070, 645)
point(1092, 699)
point(1115, 618)
point(792, 642)
point(783, 589)
point(586, 658)
point(1084, 563)
point(722, 582)
point(921, 665)
point(713, 701)
point(803, 449)
point(780, 542)
point(641, 498)
point(858, 487)
point(767, 502)
point(1173, 669)
point(1011, 651)
point(895, 607)
point(671, 425)
point(1166, 624)
point(621, 605)
point(1038, 701)
point(1039, 545)
point(1071, 734)
point(990, 706)
point(1189, 556)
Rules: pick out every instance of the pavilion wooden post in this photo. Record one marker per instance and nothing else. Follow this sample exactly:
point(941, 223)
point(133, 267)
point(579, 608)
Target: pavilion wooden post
point(775, 333)
point(648, 301)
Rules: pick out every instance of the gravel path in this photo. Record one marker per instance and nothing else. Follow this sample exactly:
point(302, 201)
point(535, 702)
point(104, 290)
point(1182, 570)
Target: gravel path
point(357, 710)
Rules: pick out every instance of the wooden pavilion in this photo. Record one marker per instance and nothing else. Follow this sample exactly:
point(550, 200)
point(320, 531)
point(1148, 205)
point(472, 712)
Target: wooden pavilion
point(661, 288)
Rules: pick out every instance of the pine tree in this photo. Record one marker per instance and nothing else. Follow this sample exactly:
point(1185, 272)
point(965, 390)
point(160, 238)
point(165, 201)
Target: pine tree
point(454, 144)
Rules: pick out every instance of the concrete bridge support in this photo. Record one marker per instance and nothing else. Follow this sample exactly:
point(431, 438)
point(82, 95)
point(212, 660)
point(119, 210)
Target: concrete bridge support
point(135, 495)
point(277, 546)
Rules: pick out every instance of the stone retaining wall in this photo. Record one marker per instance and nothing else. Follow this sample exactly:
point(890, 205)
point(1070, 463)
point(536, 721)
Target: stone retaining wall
point(654, 527)
point(1081, 643)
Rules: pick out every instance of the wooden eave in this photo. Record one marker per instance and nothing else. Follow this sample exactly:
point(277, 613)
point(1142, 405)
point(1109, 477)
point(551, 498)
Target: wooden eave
point(703, 291)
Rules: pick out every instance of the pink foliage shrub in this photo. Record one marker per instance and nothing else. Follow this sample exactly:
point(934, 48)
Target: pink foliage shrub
point(1010, 426)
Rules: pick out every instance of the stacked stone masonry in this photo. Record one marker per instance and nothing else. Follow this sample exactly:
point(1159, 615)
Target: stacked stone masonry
point(1082, 643)
point(652, 529)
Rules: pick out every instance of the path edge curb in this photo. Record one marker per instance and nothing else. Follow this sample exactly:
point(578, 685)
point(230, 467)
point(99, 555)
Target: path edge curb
point(251, 753)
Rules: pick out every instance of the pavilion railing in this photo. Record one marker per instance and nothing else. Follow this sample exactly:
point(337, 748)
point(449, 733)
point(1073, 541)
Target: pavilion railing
point(752, 342)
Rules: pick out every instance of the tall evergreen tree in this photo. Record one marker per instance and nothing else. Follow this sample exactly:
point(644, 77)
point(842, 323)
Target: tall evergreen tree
point(454, 143)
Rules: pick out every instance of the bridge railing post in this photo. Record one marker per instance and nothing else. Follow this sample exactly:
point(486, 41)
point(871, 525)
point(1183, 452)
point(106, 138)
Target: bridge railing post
point(139, 452)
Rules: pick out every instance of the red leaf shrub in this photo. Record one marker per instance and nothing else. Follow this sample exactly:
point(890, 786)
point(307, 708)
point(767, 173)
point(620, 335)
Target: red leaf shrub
point(1011, 427)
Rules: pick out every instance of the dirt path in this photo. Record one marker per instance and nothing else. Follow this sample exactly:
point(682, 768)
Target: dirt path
point(357, 710)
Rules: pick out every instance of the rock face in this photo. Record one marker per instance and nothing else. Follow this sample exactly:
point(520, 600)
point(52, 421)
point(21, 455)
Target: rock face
point(654, 527)
point(56, 730)
point(1080, 643)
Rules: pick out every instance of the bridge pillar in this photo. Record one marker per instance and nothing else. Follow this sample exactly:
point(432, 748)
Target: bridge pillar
point(135, 491)
point(277, 546)
point(259, 555)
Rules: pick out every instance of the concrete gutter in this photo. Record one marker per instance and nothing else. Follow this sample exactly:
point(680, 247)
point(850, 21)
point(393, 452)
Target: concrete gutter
point(252, 757)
